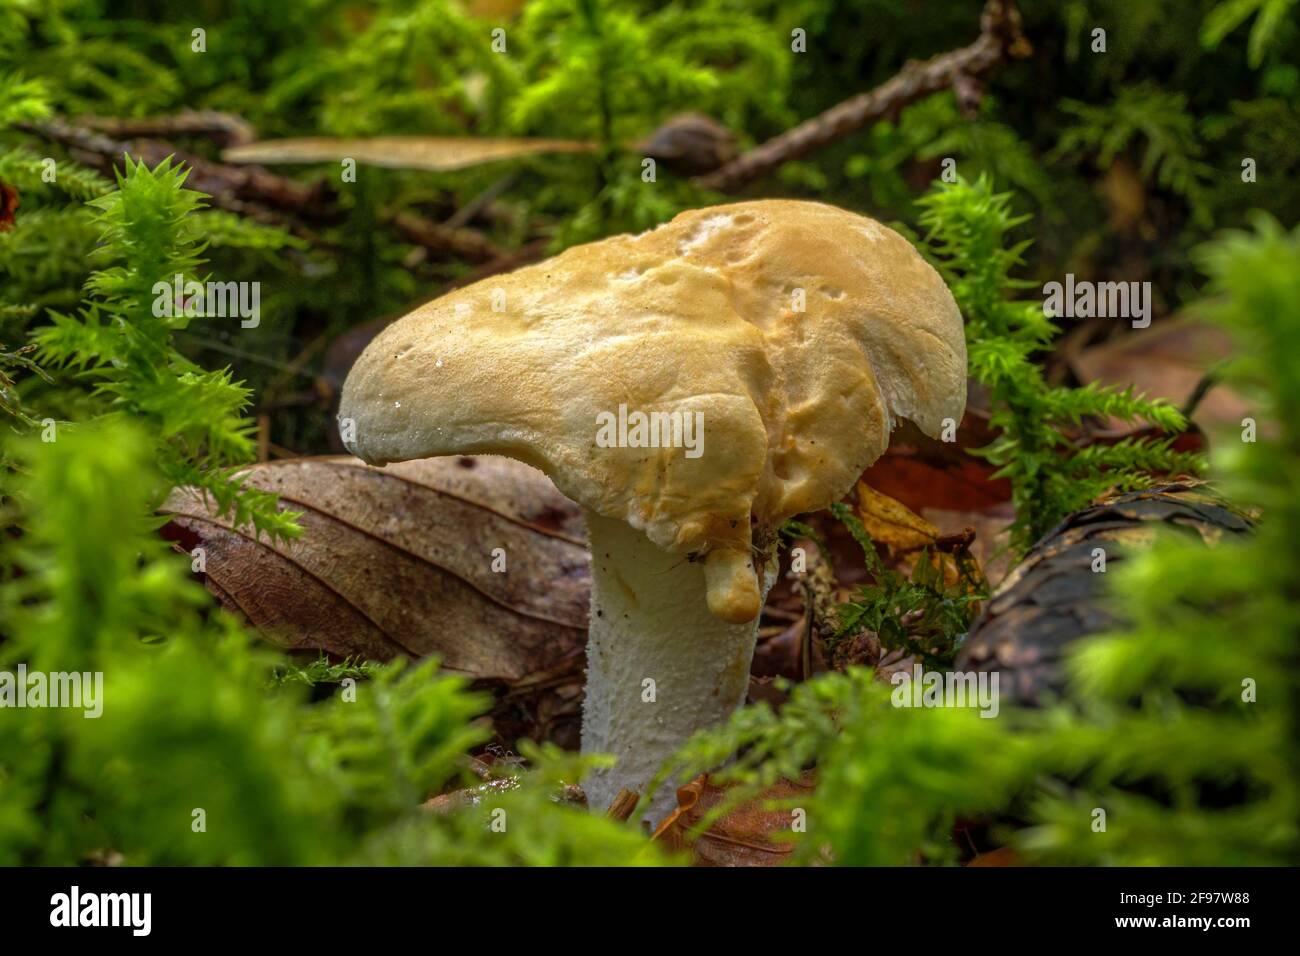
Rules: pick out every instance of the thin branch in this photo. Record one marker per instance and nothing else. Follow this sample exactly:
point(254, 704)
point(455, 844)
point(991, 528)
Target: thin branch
point(224, 129)
point(448, 242)
point(255, 193)
point(1000, 39)
point(236, 188)
point(1203, 387)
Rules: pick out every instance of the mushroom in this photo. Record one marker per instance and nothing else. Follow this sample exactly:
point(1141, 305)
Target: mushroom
point(691, 388)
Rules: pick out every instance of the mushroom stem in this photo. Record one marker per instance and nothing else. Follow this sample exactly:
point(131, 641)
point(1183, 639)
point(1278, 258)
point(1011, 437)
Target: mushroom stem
point(650, 622)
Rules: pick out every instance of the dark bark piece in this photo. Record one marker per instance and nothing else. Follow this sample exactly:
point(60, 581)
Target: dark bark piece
point(1053, 597)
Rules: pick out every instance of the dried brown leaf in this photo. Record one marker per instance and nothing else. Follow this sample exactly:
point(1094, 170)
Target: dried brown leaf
point(400, 560)
point(750, 834)
point(1167, 361)
point(891, 522)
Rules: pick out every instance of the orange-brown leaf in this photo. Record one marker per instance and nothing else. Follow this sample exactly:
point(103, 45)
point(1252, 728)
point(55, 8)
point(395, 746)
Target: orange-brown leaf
point(891, 522)
point(750, 834)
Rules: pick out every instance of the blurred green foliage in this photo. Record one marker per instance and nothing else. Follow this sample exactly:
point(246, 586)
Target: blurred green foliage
point(1052, 473)
point(193, 759)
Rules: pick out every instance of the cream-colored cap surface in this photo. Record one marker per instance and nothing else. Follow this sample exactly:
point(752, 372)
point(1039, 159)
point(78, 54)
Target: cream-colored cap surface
point(800, 332)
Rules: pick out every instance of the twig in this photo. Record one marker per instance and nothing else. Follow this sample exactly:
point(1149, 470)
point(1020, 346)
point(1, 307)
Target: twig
point(254, 192)
point(217, 345)
point(263, 436)
point(298, 362)
point(240, 189)
point(465, 215)
point(293, 400)
point(1000, 38)
point(1203, 387)
point(224, 129)
point(445, 241)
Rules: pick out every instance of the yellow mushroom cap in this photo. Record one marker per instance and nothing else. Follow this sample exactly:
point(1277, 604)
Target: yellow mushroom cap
point(797, 333)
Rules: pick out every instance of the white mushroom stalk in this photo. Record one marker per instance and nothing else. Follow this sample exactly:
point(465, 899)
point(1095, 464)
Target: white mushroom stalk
point(660, 664)
point(765, 350)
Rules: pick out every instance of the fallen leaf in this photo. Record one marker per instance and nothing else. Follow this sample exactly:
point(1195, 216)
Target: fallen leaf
point(751, 834)
point(911, 539)
point(922, 472)
point(939, 481)
point(622, 806)
point(890, 522)
point(399, 560)
point(435, 153)
point(1168, 360)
